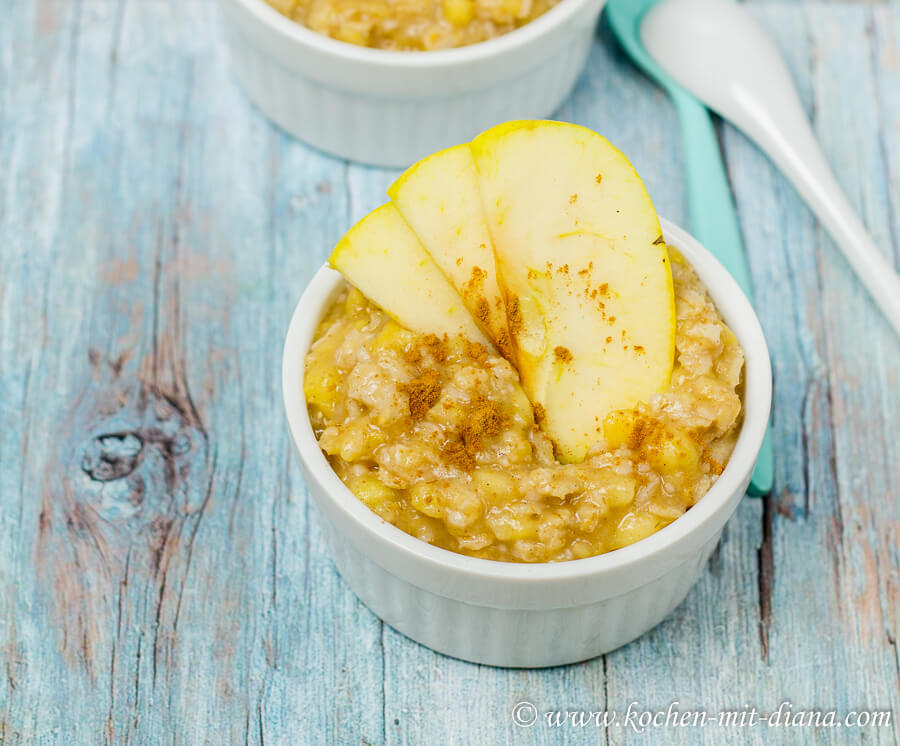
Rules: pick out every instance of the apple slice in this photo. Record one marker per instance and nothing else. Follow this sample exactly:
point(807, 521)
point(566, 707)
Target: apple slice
point(439, 198)
point(585, 272)
point(382, 257)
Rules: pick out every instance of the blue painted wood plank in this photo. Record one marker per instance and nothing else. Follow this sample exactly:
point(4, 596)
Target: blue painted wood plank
point(865, 388)
point(816, 325)
point(176, 595)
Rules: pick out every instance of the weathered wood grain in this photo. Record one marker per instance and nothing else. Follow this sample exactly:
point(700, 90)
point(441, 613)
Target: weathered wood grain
point(162, 576)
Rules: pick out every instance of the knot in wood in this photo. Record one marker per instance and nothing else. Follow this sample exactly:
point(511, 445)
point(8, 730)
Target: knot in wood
point(112, 456)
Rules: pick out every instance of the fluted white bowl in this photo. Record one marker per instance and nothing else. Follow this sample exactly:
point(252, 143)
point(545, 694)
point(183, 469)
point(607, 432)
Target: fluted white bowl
point(391, 108)
point(527, 615)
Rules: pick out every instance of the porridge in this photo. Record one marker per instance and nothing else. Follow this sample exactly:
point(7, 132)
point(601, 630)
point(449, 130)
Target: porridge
point(436, 436)
point(412, 25)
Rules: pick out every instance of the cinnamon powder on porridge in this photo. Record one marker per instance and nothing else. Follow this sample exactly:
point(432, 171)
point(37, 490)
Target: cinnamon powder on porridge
point(412, 355)
point(477, 352)
point(562, 354)
point(456, 454)
point(649, 464)
point(423, 392)
point(483, 420)
point(436, 346)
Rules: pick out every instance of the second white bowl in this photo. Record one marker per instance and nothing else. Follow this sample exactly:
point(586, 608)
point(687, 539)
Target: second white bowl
point(511, 614)
point(393, 108)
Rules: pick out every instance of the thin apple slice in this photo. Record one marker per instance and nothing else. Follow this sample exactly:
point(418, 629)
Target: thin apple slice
point(382, 257)
point(439, 198)
point(585, 273)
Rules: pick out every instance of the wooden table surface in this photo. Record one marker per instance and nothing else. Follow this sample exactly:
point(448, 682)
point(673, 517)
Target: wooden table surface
point(162, 576)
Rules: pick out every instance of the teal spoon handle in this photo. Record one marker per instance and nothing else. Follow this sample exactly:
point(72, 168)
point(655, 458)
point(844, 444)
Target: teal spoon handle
point(714, 222)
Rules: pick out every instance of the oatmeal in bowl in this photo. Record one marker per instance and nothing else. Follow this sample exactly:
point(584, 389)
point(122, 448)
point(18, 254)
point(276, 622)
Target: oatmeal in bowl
point(438, 438)
point(524, 408)
point(412, 25)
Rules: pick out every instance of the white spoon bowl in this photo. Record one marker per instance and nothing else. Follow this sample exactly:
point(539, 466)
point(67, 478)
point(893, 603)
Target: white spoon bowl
point(721, 54)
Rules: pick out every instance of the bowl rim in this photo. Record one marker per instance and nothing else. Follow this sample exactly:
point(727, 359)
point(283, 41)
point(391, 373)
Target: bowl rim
point(738, 314)
point(509, 42)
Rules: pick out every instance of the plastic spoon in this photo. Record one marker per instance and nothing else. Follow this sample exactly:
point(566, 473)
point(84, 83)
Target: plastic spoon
point(718, 51)
point(713, 217)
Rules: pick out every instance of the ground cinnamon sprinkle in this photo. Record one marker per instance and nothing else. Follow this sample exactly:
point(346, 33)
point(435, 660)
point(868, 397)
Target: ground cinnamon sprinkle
point(423, 392)
point(436, 346)
point(504, 345)
point(482, 309)
point(412, 355)
point(562, 354)
point(514, 316)
point(455, 453)
point(639, 432)
point(483, 420)
point(477, 352)
point(540, 414)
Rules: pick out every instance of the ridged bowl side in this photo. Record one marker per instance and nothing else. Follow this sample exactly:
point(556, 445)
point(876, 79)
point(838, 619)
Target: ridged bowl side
point(396, 131)
point(517, 638)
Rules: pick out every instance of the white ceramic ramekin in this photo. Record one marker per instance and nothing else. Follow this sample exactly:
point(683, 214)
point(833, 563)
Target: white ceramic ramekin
point(508, 614)
point(392, 108)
